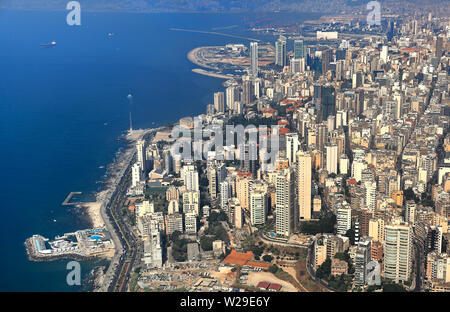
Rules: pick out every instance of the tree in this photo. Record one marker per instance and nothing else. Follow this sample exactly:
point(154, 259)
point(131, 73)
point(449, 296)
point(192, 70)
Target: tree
point(206, 242)
point(267, 258)
point(392, 287)
point(410, 195)
point(351, 236)
point(324, 270)
point(324, 225)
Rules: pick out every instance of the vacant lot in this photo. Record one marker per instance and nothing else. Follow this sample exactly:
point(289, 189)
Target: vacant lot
point(255, 277)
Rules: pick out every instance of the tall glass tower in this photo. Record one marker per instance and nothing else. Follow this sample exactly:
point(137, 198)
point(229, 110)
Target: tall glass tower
point(280, 51)
point(254, 58)
point(299, 49)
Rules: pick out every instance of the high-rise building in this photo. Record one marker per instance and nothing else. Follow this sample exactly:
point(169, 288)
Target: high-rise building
point(344, 164)
point(325, 101)
point(397, 252)
point(189, 175)
point(141, 157)
point(298, 65)
point(304, 176)
point(191, 202)
point(231, 96)
point(322, 135)
point(248, 155)
point(258, 207)
point(225, 193)
point(219, 102)
point(285, 202)
point(292, 146)
point(136, 174)
point(332, 158)
point(242, 191)
point(357, 79)
point(280, 51)
point(410, 211)
point(343, 217)
point(248, 92)
point(370, 189)
point(376, 229)
point(190, 223)
point(384, 54)
point(362, 258)
point(439, 46)
point(212, 181)
point(299, 49)
point(254, 58)
point(340, 70)
point(326, 58)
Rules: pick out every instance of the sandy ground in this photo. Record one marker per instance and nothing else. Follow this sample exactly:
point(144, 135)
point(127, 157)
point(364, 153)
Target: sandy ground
point(292, 272)
point(224, 275)
point(93, 210)
point(255, 277)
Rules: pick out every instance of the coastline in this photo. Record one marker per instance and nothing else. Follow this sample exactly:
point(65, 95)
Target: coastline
point(191, 56)
point(211, 74)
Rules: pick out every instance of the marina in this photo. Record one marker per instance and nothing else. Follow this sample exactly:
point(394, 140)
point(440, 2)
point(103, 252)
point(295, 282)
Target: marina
point(80, 245)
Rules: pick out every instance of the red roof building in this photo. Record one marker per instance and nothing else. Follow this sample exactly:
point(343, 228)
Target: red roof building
point(275, 287)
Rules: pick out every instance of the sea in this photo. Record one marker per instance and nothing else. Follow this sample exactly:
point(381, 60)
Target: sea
point(63, 110)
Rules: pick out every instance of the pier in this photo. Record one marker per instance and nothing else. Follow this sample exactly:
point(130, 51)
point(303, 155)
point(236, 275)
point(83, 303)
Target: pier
point(67, 202)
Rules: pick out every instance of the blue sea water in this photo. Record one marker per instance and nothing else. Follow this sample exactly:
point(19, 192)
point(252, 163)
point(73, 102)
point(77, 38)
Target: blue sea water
point(62, 110)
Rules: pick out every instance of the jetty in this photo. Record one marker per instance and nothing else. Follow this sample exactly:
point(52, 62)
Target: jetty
point(67, 202)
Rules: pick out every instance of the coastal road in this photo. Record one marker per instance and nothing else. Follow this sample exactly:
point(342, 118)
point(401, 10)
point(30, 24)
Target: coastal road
point(125, 246)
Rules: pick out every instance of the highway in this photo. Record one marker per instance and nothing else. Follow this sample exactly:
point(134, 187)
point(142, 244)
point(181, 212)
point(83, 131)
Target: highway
point(118, 273)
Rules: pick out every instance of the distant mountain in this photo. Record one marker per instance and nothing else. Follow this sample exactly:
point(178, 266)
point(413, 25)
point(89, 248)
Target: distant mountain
point(322, 6)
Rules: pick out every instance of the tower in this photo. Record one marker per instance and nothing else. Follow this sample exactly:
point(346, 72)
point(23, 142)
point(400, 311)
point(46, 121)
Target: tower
point(280, 51)
point(254, 58)
point(303, 171)
point(397, 252)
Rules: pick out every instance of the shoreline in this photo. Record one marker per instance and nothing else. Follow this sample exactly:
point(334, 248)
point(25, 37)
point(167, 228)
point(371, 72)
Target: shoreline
point(211, 74)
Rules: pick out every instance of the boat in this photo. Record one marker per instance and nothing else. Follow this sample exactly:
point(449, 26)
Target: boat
point(48, 45)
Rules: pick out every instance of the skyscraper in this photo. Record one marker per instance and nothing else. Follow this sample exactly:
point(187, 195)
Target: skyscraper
point(285, 202)
point(140, 149)
point(190, 177)
point(303, 172)
point(328, 102)
point(343, 217)
point(332, 158)
point(397, 252)
point(439, 46)
point(384, 54)
point(225, 193)
point(231, 97)
point(219, 102)
point(280, 51)
point(248, 154)
point(248, 94)
point(136, 174)
point(326, 58)
point(212, 181)
point(292, 146)
point(299, 49)
point(370, 189)
point(258, 207)
point(254, 58)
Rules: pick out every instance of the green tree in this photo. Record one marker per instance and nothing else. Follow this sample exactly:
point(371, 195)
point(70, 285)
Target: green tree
point(324, 270)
